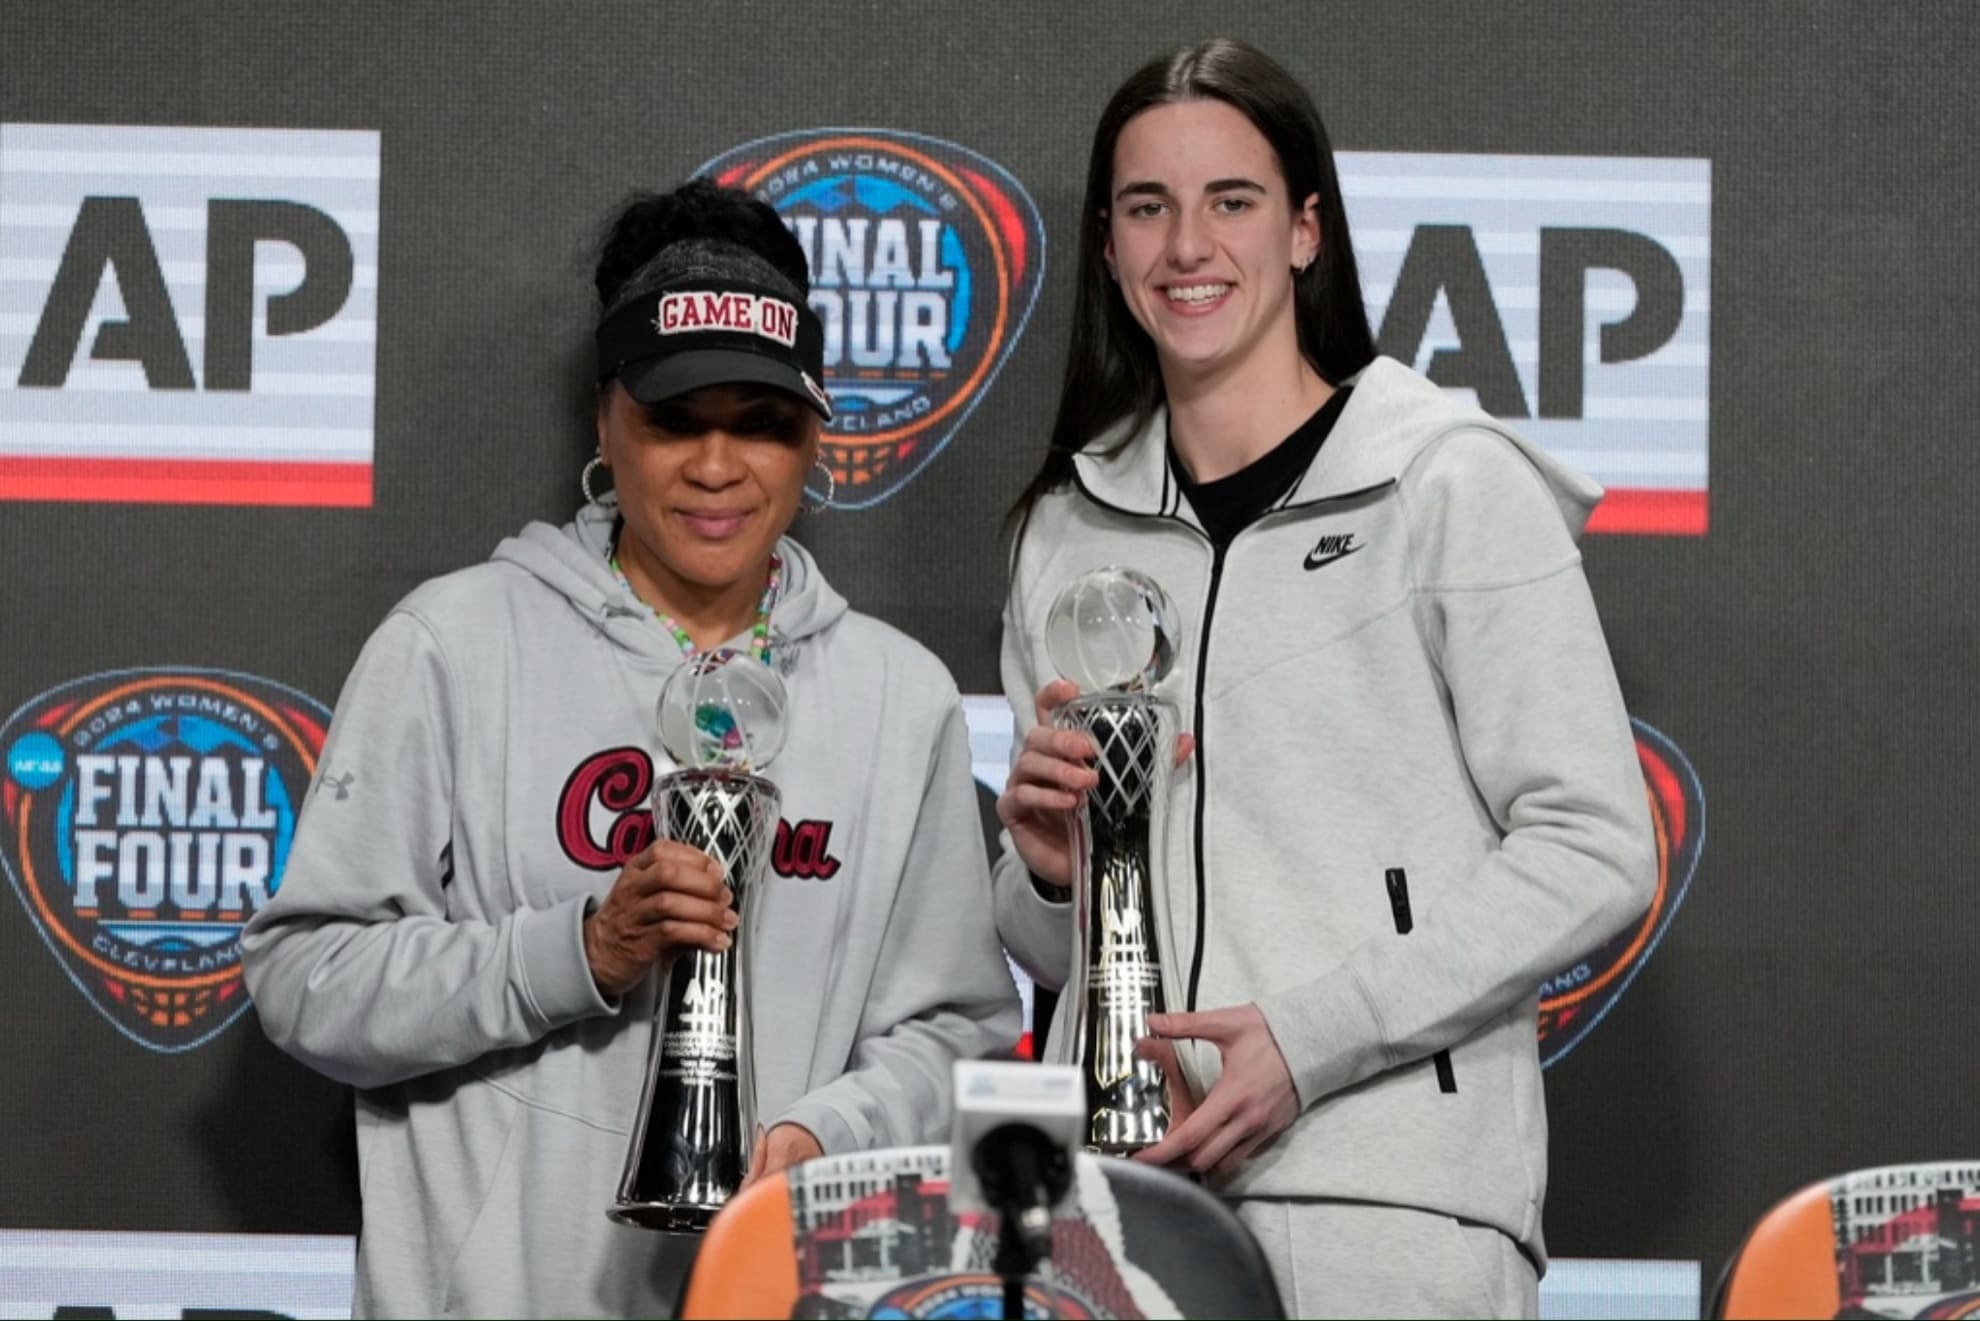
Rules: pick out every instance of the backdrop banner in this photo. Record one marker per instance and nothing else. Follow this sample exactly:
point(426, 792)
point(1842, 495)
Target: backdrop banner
point(295, 312)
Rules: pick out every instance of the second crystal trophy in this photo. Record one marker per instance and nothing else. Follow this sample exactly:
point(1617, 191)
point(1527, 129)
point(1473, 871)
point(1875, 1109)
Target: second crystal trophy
point(1113, 633)
point(721, 720)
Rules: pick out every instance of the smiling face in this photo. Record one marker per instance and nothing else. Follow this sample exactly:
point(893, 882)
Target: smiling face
point(707, 482)
point(1203, 238)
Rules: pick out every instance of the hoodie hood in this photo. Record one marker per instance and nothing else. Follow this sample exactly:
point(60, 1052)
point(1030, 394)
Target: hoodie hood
point(1392, 419)
point(572, 561)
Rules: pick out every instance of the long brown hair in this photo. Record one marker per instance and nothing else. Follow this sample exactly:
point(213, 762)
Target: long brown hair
point(1111, 369)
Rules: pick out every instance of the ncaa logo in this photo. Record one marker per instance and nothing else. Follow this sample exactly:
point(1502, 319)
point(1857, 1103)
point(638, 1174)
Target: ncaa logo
point(1574, 1000)
point(145, 815)
point(925, 259)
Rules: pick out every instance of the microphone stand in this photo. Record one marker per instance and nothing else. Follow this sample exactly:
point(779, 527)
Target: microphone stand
point(1019, 1253)
point(1023, 1174)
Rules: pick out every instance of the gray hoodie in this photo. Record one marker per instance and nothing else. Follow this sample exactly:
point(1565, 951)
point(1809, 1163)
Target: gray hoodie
point(1415, 793)
point(485, 777)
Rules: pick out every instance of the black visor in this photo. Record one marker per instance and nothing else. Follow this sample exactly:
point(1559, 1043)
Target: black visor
point(706, 332)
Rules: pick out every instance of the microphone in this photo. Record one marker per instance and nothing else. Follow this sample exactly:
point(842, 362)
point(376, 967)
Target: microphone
point(1017, 1129)
point(1024, 1175)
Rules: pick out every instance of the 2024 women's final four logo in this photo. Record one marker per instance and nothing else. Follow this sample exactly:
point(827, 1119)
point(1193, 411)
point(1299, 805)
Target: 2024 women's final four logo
point(146, 815)
point(925, 261)
point(1574, 1000)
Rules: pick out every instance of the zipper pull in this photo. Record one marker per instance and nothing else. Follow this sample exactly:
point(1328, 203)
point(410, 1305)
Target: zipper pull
point(1398, 885)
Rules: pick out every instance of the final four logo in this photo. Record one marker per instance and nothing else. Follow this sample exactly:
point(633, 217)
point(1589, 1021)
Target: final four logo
point(145, 815)
point(1574, 1000)
point(925, 261)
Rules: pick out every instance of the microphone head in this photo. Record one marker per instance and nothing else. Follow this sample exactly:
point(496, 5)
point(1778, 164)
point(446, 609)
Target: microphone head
point(1017, 1163)
point(1011, 1114)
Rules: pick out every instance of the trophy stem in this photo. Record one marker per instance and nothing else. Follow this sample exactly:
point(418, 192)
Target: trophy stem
point(696, 1121)
point(1120, 943)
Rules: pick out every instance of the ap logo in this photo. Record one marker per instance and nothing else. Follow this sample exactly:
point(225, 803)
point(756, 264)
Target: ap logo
point(187, 315)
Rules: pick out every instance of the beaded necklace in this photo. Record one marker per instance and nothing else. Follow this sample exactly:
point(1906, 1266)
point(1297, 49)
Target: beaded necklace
point(759, 633)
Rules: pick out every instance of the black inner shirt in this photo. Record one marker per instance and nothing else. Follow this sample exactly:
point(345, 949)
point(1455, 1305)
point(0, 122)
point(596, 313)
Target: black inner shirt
point(1230, 504)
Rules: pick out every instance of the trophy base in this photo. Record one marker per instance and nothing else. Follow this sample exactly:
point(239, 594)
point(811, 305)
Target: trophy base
point(664, 1217)
point(1118, 1134)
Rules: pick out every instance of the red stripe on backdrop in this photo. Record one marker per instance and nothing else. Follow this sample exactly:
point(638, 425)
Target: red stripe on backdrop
point(1672, 513)
point(186, 482)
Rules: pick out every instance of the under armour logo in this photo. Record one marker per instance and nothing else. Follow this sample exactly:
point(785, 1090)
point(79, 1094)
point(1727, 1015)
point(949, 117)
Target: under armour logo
point(342, 785)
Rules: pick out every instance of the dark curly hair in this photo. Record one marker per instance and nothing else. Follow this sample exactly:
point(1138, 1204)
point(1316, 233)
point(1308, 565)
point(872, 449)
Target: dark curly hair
point(701, 209)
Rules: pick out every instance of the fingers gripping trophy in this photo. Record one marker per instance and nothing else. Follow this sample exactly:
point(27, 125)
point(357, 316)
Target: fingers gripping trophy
point(721, 719)
point(1113, 633)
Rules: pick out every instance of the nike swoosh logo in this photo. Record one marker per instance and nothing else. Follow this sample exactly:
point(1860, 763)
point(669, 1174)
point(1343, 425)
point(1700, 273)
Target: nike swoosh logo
point(1313, 561)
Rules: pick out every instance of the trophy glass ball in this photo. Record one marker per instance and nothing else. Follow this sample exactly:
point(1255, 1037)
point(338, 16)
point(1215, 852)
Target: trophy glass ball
point(1112, 630)
point(723, 710)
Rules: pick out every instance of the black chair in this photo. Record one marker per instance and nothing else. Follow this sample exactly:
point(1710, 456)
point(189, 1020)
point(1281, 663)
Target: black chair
point(1193, 1244)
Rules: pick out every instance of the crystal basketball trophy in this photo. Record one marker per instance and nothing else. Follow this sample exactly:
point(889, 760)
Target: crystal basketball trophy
point(1113, 633)
point(721, 719)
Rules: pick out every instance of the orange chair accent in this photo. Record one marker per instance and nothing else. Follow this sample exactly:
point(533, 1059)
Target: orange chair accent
point(746, 1265)
point(1787, 1266)
point(1893, 1241)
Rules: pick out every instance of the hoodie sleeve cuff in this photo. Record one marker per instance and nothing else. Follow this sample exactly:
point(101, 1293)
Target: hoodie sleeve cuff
point(1052, 896)
point(837, 1131)
point(1328, 1032)
point(1037, 930)
point(556, 979)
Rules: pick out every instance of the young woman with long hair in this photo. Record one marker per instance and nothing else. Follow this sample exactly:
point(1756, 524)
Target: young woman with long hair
point(1409, 790)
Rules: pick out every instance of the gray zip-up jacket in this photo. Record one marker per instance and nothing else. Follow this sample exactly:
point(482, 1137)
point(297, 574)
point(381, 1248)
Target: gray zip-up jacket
point(1415, 793)
point(485, 776)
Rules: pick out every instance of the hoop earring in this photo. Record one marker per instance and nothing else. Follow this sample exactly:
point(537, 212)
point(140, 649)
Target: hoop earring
point(584, 478)
point(814, 503)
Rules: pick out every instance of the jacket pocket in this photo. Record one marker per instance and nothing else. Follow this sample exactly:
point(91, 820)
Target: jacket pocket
point(1397, 883)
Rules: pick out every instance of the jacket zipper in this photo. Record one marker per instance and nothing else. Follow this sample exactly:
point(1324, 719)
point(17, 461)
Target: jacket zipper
point(1397, 883)
point(1202, 771)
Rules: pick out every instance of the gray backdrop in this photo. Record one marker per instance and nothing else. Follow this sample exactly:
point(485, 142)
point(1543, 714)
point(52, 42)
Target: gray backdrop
point(1810, 1007)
